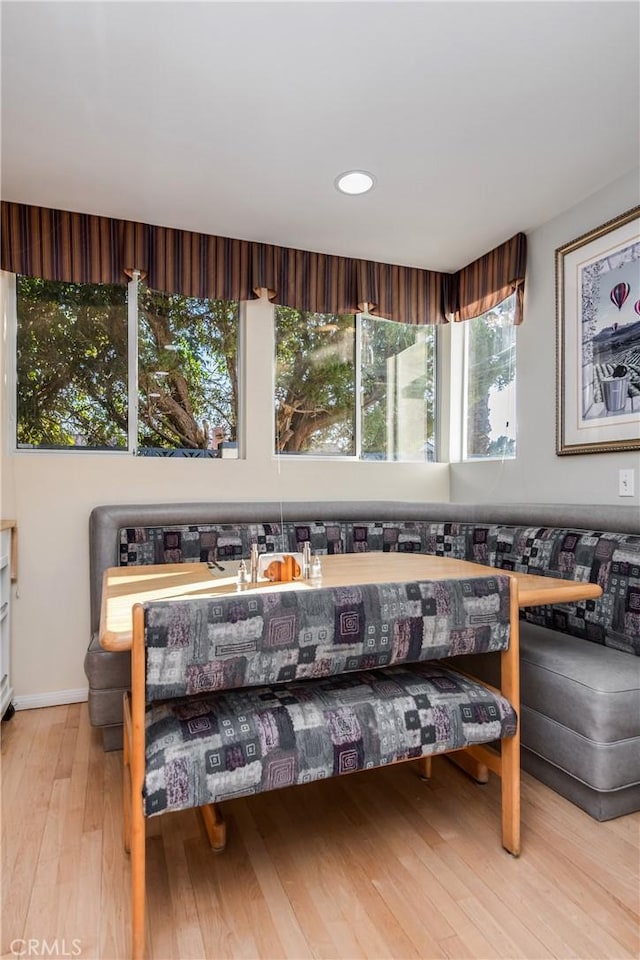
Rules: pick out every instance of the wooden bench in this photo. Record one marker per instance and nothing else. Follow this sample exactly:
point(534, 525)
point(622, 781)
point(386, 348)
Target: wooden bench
point(251, 692)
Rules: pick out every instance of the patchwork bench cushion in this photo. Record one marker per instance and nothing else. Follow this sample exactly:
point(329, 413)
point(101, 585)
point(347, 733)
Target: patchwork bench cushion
point(231, 744)
point(610, 559)
point(255, 638)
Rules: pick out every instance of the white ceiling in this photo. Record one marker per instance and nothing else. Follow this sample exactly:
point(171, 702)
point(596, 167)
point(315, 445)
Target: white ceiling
point(478, 119)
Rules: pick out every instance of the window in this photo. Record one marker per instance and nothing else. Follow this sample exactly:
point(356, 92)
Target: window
point(490, 384)
point(346, 386)
point(71, 365)
point(79, 383)
point(398, 399)
point(315, 383)
point(187, 373)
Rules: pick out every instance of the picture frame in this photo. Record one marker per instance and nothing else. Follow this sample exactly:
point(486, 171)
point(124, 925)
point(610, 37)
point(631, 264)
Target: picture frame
point(598, 339)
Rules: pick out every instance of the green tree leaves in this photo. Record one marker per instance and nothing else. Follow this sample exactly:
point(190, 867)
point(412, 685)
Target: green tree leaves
point(71, 364)
point(72, 367)
point(315, 382)
point(316, 402)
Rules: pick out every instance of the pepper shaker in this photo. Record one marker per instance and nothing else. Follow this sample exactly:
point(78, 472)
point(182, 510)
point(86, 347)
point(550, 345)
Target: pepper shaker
point(316, 568)
point(243, 574)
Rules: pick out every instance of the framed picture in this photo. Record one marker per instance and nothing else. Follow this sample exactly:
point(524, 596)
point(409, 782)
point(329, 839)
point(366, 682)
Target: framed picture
point(598, 339)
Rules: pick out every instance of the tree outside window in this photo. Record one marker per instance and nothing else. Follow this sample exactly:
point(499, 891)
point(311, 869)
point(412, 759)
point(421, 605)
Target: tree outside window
point(345, 386)
point(359, 386)
point(490, 383)
point(187, 372)
point(71, 365)
point(73, 381)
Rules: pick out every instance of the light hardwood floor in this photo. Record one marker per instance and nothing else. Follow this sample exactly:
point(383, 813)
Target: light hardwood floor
point(371, 865)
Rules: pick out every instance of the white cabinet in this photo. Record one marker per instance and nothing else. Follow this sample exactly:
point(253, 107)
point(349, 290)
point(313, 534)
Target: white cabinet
point(7, 574)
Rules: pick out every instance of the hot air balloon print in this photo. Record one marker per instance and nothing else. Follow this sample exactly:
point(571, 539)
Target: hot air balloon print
point(619, 294)
point(636, 307)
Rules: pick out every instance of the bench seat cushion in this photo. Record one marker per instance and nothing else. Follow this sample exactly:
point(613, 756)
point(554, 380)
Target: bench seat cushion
point(221, 745)
point(588, 688)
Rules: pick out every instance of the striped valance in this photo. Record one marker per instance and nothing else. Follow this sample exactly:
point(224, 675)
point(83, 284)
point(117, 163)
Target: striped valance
point(84, 248)
point(488, 281)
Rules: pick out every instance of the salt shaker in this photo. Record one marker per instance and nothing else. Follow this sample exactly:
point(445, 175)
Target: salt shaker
point(306, 560)
point(253, 565)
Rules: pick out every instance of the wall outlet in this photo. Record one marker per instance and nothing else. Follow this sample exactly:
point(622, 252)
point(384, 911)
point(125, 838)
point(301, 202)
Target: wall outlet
point(626, 483)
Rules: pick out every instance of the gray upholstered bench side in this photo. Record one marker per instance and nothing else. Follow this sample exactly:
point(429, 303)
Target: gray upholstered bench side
point(580, 718)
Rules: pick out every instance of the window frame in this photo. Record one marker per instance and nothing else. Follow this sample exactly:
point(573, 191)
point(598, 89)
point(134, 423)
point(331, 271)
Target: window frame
point(357, 457)
point(10, 321)
point(465, 457)
point(446, 423)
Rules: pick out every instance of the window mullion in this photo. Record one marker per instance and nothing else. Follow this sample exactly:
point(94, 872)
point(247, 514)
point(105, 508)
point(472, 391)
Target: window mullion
point(132, 339)
point(465, 393)
point(358, 387)
point(9, 375)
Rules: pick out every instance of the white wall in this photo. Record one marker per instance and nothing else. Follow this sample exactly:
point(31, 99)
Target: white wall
point(52, 494)
point(538, 475)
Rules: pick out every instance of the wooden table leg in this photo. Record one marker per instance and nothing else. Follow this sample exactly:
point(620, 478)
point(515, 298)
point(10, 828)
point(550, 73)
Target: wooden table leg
point(215, 826)
point(477, 771)
point(423, 766)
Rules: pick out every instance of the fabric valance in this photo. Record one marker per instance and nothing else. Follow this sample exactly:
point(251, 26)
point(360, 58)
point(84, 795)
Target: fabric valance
point(85, 248)
point(488, 281)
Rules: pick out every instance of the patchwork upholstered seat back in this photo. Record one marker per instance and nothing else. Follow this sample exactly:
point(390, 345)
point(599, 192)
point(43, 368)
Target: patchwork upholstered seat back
point(190, 543)
point(257, 638)
point(611, 560)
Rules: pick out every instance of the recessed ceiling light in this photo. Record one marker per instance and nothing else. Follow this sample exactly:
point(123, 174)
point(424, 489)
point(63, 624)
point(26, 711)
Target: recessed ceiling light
point(353, 182)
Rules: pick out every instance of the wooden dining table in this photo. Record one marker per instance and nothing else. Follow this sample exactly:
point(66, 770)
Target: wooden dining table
point(123, 587)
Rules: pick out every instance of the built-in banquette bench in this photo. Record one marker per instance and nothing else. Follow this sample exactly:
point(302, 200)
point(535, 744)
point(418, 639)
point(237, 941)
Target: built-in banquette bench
point(580, 669)
point(209, 718)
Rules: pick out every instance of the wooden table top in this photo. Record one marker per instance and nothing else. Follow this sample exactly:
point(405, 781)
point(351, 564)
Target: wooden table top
point(125, 586)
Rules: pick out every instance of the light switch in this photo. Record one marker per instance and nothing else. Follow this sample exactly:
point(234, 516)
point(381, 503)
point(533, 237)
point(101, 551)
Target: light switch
point(626, 483)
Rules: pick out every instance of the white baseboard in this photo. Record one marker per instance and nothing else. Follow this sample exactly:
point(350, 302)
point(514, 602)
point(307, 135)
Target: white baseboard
point(52, 699)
